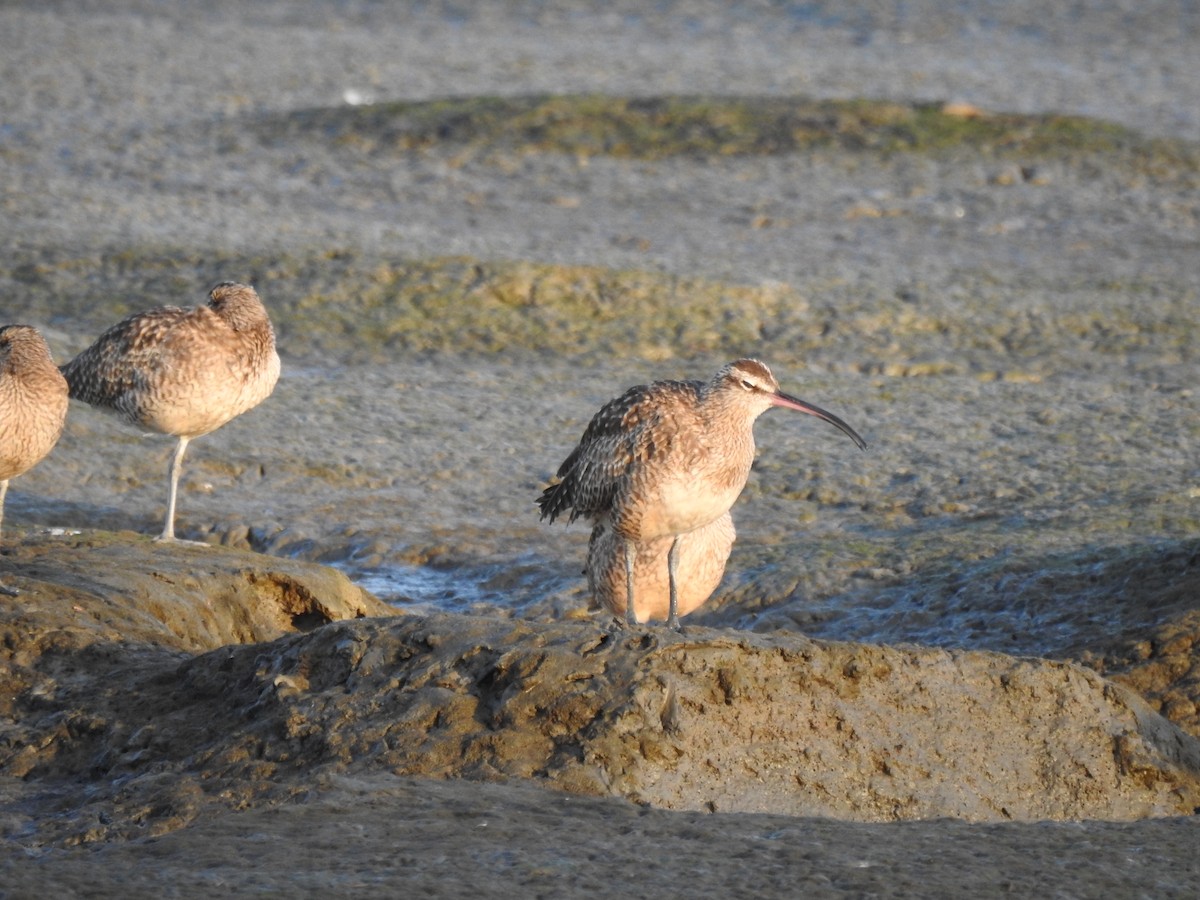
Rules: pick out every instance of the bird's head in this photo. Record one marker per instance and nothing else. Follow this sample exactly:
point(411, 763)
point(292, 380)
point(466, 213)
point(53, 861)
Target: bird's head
point(750, 384)
point(20, 344)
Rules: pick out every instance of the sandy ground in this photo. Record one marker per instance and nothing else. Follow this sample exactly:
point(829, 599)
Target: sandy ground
point(1035, 494)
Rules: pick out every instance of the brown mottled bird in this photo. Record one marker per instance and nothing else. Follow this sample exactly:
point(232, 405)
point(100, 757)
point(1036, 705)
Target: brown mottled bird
point(33, 403)
point(183, 372)
point(701, 561)
point(667, 458)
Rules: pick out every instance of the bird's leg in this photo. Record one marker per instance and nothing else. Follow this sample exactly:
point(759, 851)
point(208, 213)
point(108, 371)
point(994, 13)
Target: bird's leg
point(672, 564)
point(168, 532)
point(630, 613)
point(4, 588)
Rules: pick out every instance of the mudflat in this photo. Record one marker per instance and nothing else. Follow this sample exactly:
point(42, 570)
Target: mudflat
point(961, 662)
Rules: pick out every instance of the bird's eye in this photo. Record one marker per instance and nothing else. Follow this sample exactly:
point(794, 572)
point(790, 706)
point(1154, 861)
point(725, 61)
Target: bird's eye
point(747, 384)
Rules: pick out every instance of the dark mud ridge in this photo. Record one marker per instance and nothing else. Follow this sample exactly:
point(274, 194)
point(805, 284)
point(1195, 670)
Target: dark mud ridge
point(145, 687)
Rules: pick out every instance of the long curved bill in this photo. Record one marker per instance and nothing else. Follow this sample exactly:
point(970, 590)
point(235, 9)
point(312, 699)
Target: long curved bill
point(788, 401)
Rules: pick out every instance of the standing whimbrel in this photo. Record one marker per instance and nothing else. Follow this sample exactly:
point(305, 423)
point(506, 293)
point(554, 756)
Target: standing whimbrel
point(33, 405)
point(183, 372)
point(702, 555)
point(667, 458)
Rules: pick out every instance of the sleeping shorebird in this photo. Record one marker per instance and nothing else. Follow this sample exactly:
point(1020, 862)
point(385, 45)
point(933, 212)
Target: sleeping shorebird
point(701, 563)
point(667, 458)
point(33, 405)
point(183, 372)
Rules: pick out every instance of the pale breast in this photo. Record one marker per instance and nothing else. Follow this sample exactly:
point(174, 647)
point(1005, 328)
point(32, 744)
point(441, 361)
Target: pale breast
point(33, 408)
point(198, 398)
point(684, 504)
point(24, 443)
point(697, 482)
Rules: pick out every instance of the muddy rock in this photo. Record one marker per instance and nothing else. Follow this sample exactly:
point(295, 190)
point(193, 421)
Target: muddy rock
point(125, 698)
point(709, 720)
point(97, 613)
point(102, 587)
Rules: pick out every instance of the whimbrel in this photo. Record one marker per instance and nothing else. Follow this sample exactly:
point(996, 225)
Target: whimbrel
point(33, 405)
point(667, 458)
point(182, 372)
point(703, 553)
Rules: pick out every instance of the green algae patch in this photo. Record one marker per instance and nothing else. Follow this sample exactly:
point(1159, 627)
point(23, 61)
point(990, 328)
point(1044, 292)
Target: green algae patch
point(652, 128)
point(353, 308)
point(461, 305)
point(350, 307)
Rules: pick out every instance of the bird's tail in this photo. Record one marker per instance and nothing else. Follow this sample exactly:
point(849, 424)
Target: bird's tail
point(555, 500)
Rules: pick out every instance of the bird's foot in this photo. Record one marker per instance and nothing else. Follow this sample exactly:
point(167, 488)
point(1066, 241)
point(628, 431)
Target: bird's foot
point(171, 539)
point(615, 625)
point(621, 624)
point(645, 633)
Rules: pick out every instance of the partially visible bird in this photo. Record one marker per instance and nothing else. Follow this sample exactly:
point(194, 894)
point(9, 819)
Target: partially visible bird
point(701, 565)
point(183, 372)
point(666, 458)
point(33, 405)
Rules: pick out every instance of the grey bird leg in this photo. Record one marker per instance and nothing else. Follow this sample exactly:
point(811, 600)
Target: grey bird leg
point(630, 613)
point(672, 561)
point(168, 532)
point(4, 588)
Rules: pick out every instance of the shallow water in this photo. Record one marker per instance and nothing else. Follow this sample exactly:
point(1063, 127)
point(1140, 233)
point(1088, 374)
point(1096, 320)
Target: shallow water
point(521, 588)
point(1051, 607)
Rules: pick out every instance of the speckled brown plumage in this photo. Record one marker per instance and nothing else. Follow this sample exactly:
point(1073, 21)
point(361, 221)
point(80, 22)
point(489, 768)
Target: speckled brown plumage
point(183, 372)
point(33, 403)
point(648, 425)
point(666, 458)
